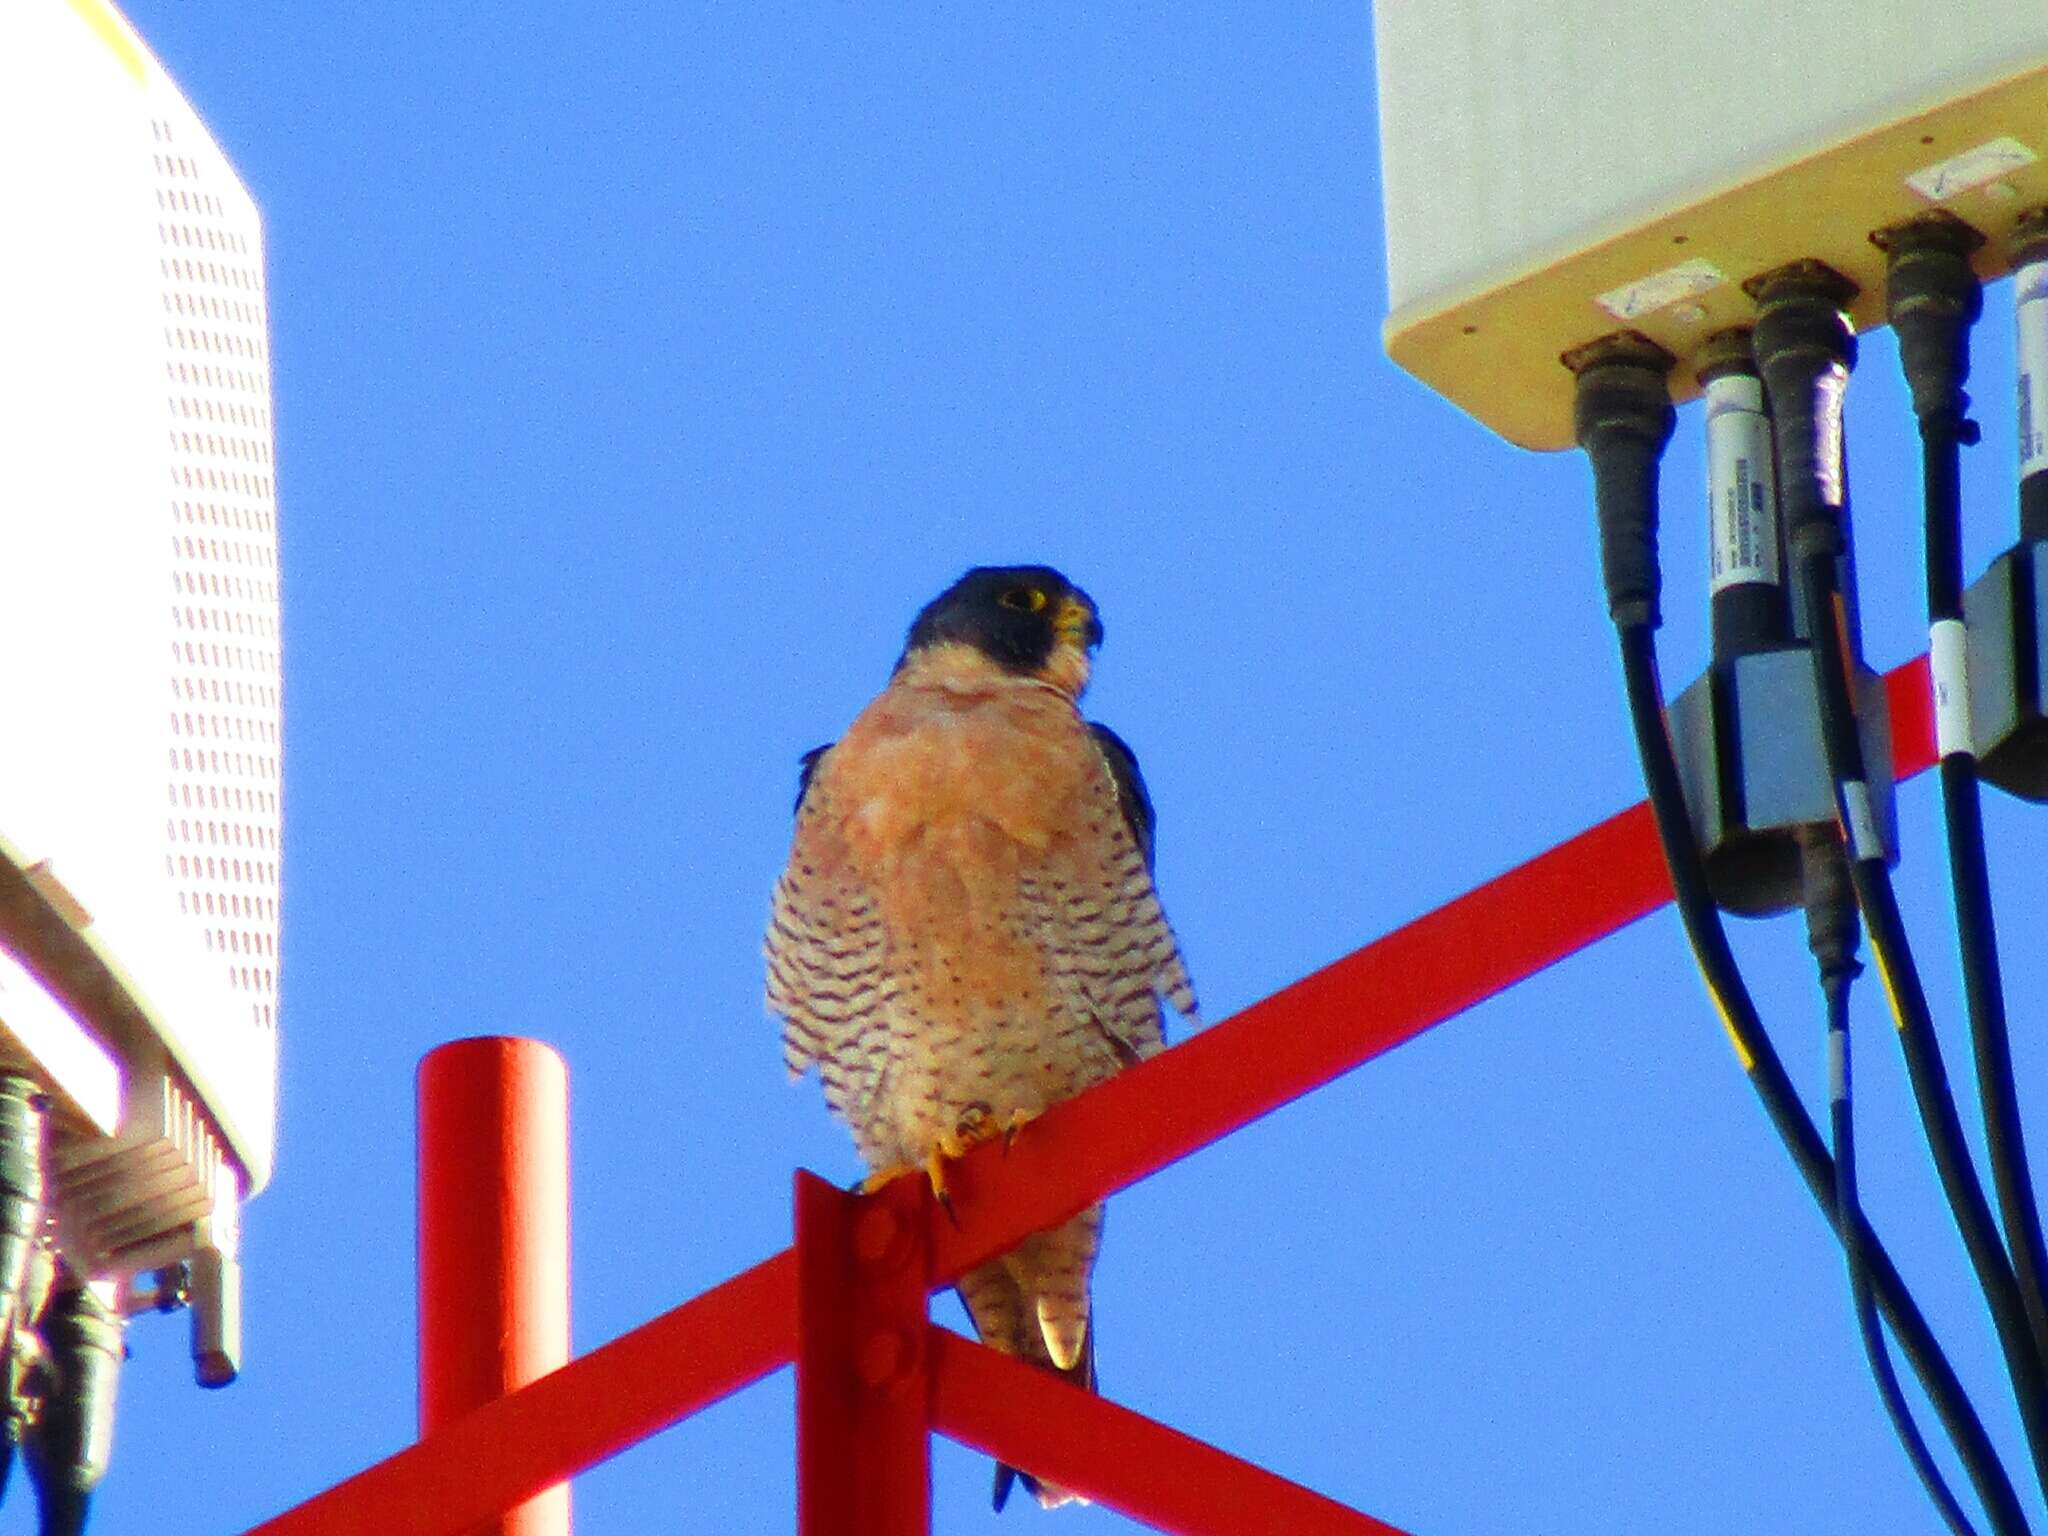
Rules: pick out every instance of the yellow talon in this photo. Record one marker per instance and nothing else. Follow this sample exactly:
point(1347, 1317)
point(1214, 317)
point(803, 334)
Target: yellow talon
point(949, 1146)
point(933, 1168)
point(889, 1175)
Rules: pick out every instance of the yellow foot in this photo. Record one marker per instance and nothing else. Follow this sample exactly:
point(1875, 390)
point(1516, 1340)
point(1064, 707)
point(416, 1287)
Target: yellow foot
point(933, 1168)
point(889, 1175)
point(977, 1123)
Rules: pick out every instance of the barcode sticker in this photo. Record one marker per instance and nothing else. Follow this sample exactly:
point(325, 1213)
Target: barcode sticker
point(1742, 511)
point(2030, 292)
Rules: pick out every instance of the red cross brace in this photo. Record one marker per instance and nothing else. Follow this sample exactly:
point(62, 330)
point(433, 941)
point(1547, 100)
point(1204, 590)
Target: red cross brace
point(848, 1302)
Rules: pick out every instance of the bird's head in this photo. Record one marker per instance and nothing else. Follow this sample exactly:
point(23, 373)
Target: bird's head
point(1027, 619)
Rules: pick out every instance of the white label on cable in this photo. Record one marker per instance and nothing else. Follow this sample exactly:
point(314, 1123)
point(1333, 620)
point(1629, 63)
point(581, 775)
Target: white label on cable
point(1687, 280)
point(2030, 296)
point(1972, 168)
point(1862, 828)
point(1742, 503)
point(1838, 1066)
point(1948, 654)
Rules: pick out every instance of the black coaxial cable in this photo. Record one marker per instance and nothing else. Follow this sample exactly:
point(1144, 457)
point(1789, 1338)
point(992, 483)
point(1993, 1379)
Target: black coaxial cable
point(1624, 418)
point(1932, 298)
point(1831, 934)
point(1804, 350)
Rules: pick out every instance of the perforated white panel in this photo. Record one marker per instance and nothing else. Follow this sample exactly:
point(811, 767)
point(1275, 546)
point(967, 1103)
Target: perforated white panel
point(138, 529)
point(139, 789)
point(222, 829)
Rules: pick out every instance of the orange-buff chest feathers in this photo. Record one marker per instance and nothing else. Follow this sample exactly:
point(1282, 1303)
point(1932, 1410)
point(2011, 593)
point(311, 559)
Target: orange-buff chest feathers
point(943, 794)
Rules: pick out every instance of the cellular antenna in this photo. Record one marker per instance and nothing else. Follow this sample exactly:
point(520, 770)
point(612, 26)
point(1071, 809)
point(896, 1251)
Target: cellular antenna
point(139, 787)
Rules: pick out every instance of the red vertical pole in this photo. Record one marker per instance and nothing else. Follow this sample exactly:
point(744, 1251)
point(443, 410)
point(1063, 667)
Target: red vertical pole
point(863, 1367)
point(493, 1236)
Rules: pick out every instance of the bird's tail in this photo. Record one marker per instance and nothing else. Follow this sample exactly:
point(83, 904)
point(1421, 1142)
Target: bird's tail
point(1049, 1495)
point(1032, 1302)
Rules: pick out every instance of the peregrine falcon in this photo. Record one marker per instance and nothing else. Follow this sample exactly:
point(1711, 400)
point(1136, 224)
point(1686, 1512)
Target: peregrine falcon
point(967, 930)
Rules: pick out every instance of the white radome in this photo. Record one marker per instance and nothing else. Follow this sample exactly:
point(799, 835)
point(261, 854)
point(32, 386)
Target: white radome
point(140, 783)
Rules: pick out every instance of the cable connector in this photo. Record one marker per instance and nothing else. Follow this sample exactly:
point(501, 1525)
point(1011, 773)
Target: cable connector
point(1636, 635)
point(70, 1444)
point(1804, 350)
point(1833, 930)
point(23, 1112)
point(1932, 298)
point(1623, 417)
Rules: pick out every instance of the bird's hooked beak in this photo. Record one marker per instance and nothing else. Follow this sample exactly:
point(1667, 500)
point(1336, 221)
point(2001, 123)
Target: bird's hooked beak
point(1075, 624)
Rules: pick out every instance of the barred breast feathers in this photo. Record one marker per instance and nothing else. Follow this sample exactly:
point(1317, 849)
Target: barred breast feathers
point(1005, 787)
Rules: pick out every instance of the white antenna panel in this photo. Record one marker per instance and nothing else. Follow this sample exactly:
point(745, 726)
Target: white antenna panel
point(139, 705)
point(1557, 170)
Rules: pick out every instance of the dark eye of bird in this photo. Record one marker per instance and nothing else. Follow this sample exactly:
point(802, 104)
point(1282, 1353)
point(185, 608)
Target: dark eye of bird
point(1023, 599)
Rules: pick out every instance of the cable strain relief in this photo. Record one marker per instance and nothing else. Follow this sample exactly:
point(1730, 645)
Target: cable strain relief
point(1833, 931)
point(1934, 354)
point(1932, 298)
point(1724, 353)
point(1815, 536)
point(1928, 257)
point(1801, 325)
point(1621, 382)
point(1623, 417)
point(1950, 423)
point(1795, 287)
point(1802, 337)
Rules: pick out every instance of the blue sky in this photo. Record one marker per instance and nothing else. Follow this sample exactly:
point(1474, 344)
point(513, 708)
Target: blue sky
point(640, 369)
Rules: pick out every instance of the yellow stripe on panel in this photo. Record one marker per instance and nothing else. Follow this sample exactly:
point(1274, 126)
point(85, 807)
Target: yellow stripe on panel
point(108, 26)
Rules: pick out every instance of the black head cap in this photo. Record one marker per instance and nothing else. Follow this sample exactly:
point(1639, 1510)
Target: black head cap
point(1013, 614)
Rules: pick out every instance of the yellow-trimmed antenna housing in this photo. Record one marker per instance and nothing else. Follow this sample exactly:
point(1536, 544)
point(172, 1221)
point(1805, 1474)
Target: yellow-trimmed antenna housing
point(1555, 172)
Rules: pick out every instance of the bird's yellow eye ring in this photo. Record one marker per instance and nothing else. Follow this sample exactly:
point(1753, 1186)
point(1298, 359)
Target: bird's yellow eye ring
point(1023, 599)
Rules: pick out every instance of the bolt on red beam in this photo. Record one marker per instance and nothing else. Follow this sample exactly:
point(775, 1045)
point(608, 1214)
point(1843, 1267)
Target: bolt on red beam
point(493, 1237)
point(863, 1388)
point(1168, 1480)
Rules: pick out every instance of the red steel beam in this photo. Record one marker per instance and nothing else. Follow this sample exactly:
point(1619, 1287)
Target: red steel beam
point(591, 1409)
point(1909, 696)
point(1119, 1458)
point(1299, 1038)
point(493, 1237)
point(1332, 1021)
point(863, 1373)
point(1274, 1051)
